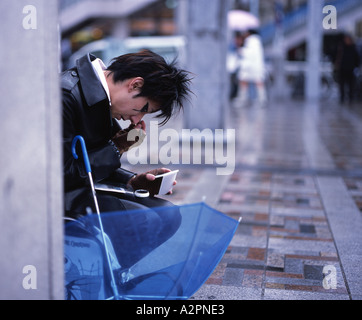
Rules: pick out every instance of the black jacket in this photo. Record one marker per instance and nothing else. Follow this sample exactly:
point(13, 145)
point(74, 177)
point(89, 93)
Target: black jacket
point(86, 112)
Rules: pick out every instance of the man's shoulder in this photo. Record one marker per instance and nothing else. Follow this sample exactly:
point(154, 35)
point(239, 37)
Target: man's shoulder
point(69, 79)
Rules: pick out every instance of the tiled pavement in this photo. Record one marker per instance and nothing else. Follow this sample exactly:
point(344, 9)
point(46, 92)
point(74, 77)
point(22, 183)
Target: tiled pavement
point(298, 188)
point(283, 242)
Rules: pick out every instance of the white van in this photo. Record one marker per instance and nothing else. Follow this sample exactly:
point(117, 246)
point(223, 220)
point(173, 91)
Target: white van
point(169, 47)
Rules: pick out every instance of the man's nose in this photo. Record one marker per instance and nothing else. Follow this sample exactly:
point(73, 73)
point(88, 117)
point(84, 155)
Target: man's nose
point(137, 118)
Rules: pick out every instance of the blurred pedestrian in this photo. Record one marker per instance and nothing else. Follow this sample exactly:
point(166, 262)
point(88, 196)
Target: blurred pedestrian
point(347, 61)
point(233, 60)
point(252, 69)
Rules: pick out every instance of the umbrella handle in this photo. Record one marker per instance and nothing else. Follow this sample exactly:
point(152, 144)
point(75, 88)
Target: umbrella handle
point(84, 151)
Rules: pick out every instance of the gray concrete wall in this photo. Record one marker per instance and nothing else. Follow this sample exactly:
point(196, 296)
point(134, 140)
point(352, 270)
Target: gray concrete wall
point(31, 234)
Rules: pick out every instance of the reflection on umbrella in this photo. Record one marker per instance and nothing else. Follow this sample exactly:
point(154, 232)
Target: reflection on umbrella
point(174, 270)
point(239, 20)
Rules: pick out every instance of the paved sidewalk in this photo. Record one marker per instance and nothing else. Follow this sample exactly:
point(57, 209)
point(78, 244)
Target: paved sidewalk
point(298, 188)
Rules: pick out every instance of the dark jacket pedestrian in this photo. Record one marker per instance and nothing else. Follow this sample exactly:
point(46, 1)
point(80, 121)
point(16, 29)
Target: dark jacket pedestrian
point(346, 62)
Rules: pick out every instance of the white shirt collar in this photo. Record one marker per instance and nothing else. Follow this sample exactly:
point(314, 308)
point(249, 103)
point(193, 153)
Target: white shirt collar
point(99, 67)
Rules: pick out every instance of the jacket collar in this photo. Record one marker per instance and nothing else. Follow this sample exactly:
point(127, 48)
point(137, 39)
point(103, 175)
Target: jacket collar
point(91, 86)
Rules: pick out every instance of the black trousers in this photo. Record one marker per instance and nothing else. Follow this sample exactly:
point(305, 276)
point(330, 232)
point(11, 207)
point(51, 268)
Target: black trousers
point(346, 81)
point(136, 226)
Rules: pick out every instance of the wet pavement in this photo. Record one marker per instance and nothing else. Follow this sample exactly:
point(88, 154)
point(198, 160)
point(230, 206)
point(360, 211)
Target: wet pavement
point(297, 185)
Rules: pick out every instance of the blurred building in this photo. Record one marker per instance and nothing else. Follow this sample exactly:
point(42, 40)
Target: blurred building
point(286, 35)
point(203, 23)
point(291, 17)
point(83, 21)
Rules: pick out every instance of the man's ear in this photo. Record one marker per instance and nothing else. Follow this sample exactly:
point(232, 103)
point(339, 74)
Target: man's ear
point(136, 83)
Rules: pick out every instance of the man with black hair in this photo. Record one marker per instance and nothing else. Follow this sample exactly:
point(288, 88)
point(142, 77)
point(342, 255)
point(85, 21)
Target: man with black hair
point(94, 98)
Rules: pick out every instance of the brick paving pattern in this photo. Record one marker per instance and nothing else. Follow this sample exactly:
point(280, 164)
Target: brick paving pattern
point(298, 179)
point(284, 240)
point(284, 247)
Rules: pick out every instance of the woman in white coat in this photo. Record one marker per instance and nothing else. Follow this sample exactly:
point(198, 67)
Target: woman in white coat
point(252, 68)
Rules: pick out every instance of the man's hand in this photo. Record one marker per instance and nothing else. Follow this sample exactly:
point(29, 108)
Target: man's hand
point(147, 181)
point(131, 137)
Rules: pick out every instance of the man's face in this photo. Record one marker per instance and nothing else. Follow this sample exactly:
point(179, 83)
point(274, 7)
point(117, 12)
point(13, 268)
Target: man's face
point(124, 103)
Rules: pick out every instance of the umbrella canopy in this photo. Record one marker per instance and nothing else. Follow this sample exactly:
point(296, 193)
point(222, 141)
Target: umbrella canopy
point(176, 269)
point(239, 20)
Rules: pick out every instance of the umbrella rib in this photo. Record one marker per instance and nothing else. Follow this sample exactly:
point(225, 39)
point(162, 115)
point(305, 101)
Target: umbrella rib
point(192, 243)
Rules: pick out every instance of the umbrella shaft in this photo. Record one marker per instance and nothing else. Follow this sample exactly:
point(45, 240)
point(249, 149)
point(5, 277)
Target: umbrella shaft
point(114, 287)
point(93, 192)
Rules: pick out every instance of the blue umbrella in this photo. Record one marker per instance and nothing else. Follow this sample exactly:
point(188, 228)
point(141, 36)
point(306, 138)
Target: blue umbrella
point(174, 270)
point(97, 248)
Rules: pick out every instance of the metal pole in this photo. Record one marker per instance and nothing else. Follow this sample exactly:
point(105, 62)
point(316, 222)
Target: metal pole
point(279, 90)
point(254, 7)
point(314, 45)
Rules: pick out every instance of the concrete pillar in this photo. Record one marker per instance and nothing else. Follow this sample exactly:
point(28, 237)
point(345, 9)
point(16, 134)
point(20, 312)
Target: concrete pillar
point(31, 229)
point(254, 7)
point(120, 28)
point(279, 56)
point(204, 22)
point(314, 47)
point(279, 91)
